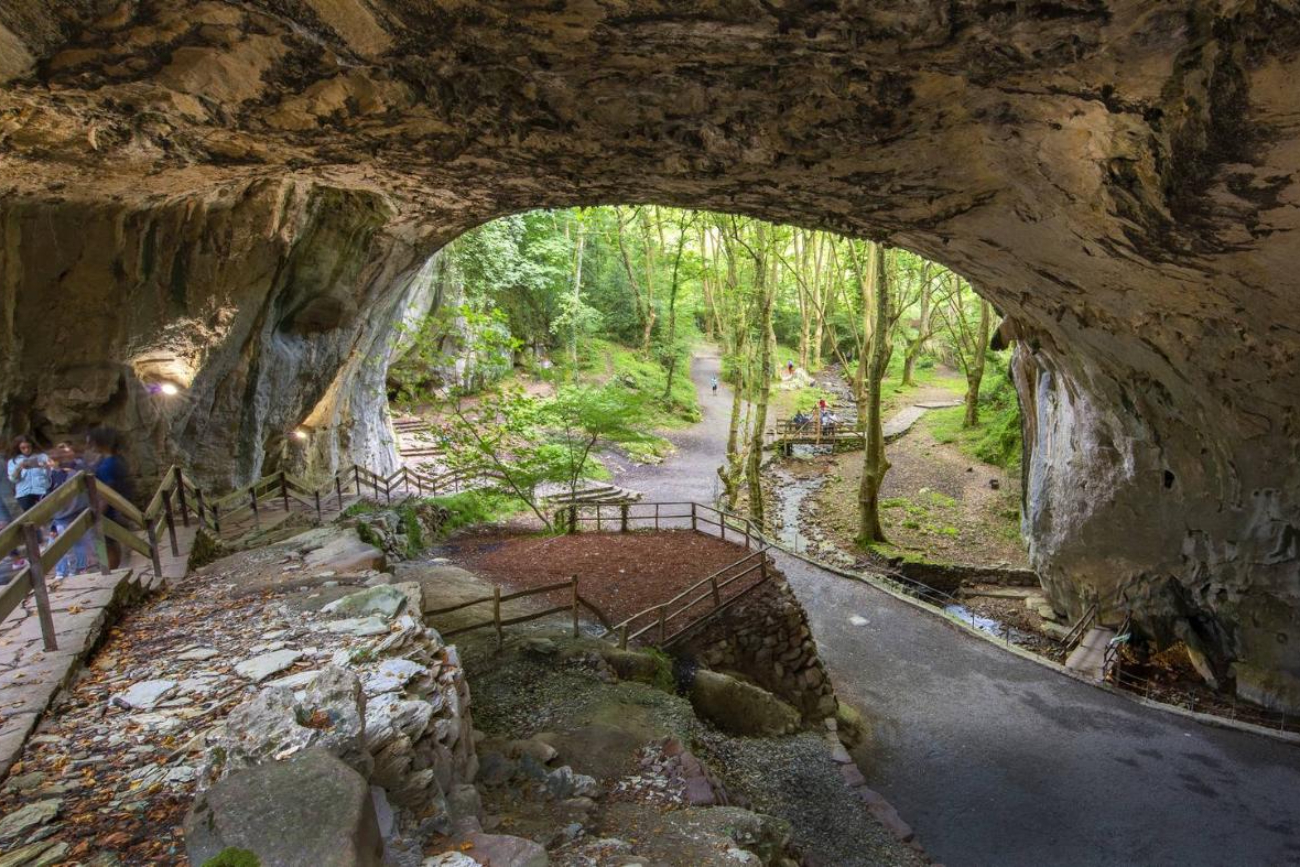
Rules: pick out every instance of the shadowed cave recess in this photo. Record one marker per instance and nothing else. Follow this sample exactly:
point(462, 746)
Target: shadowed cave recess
point(243, 199)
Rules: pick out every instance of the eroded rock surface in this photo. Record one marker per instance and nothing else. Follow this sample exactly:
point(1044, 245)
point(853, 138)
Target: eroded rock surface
point(241, 198)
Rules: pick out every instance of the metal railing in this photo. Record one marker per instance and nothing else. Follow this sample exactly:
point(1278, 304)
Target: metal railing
point(1080, 628)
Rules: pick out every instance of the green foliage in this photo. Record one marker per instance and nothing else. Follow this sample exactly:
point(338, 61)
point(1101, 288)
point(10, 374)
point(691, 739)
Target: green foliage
point(232, 857)
point(472, 508)
point(996, 440)
point(663, 679)
point(206, 549)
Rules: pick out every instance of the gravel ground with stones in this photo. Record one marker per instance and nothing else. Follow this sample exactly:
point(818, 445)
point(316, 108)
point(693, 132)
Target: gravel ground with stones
point(621, 573)
point(614, 732)
point(795, 778)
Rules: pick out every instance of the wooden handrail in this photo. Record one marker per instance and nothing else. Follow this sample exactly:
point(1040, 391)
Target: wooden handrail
point(762, 552)
point(121, 503)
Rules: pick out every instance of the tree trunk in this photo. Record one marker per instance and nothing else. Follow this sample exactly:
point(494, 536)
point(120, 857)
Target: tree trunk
point(765, 286)
point(922, 334)
point(577, 296)
point(874, 464)
point(975, 369)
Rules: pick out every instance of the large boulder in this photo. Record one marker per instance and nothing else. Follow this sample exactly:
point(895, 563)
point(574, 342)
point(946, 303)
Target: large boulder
point(741, 708)
point(311, 811)
point(274, 725)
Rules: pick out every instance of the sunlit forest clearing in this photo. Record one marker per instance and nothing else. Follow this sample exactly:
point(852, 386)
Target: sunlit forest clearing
point(574, 331)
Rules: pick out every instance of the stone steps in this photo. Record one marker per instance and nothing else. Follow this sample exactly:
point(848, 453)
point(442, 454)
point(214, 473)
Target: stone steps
point(1089, 658)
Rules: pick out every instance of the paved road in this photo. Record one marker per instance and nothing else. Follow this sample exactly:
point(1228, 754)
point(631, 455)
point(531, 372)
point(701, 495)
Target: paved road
point(996, 760)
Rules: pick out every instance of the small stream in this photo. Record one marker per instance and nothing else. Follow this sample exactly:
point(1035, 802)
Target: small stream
point(986, 624)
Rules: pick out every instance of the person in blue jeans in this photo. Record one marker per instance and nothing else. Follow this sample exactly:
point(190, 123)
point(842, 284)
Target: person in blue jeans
point(109, 467)
point(77, 559)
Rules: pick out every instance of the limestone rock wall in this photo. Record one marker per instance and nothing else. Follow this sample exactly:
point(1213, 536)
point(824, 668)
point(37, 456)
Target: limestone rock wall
point(268, 303)
point(256, 182)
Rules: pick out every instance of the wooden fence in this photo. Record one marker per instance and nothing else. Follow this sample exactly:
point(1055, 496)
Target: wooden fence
point(703, 600)
point(90, 519)
point(576, 603)
point(178, 500)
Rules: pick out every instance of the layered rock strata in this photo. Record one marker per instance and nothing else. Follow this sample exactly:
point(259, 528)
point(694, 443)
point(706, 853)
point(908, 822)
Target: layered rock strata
point(236, 196)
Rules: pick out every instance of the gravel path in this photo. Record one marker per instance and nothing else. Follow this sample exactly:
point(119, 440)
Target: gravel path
point(996, 760)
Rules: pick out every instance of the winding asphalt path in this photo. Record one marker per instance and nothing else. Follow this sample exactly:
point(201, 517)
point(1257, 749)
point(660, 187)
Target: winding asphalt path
point(996, 760)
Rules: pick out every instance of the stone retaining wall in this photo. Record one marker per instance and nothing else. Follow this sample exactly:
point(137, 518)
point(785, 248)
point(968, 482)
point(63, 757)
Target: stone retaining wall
point(766, 638)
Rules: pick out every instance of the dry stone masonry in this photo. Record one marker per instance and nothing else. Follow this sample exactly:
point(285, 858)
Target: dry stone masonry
point(766, 638)
point(242, 199)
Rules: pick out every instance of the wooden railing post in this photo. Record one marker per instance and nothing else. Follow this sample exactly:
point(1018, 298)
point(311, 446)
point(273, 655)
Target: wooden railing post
point(746, 534)
point(32, 537)
point(575, 605)
point(622, 517)
point(388, 493)
point(216, 519)
point(252, 500)
point(198, 507)
point(694, 524)
point(722, 524)
point(717, 594)
point(284, 490)
point(152, 536)
point(598, 517)
point(97, 522)
point(338, 489)
point(622, 637)
point(356, 471)
point(320, 517)
point(656, 516)
point(496, 615)
point(374, 483)
point(180, 498)
point(762, 569)
point(171, 522)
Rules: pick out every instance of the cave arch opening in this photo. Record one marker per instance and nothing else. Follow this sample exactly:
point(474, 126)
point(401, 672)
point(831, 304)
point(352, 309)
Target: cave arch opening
point(650, 280)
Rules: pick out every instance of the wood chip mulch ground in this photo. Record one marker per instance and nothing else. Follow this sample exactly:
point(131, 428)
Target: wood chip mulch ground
point(621, 573)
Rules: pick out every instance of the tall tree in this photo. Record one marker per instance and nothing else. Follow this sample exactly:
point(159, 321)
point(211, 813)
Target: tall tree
point(874, 463)
point(969, 339)
point(924, 328)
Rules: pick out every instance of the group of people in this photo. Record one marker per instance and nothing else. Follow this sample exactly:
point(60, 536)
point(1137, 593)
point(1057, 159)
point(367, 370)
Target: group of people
point(35, 474)
point(828, 419)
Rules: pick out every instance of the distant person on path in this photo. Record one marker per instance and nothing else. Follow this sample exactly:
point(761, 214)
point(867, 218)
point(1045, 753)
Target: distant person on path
point(77, 559)
point(110, 469)
point(29, 470)
point(789, 367)
point(715, 386)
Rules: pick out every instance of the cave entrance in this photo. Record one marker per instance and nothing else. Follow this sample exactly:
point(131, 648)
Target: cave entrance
point(657, 303)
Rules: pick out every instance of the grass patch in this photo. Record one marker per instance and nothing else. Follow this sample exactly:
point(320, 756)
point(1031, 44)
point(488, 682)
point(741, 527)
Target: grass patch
point(996, 439)
point(469, 508)
point(604, 360)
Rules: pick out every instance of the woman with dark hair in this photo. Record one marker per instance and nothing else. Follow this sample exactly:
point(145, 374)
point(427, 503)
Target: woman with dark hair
point(29, 470)
point(110, 469)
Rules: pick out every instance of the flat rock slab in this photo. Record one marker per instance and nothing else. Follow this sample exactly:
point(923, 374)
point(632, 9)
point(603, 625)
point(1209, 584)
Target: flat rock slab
point(259, 668)
point(83, 607)
point(902, 422)
point(144, 695)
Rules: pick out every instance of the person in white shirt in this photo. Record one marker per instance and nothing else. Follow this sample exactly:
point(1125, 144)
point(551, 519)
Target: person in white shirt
point(29, 470)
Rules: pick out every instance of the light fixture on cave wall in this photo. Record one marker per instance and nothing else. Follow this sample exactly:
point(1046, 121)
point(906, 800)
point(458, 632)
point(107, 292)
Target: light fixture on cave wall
point(163, 374)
